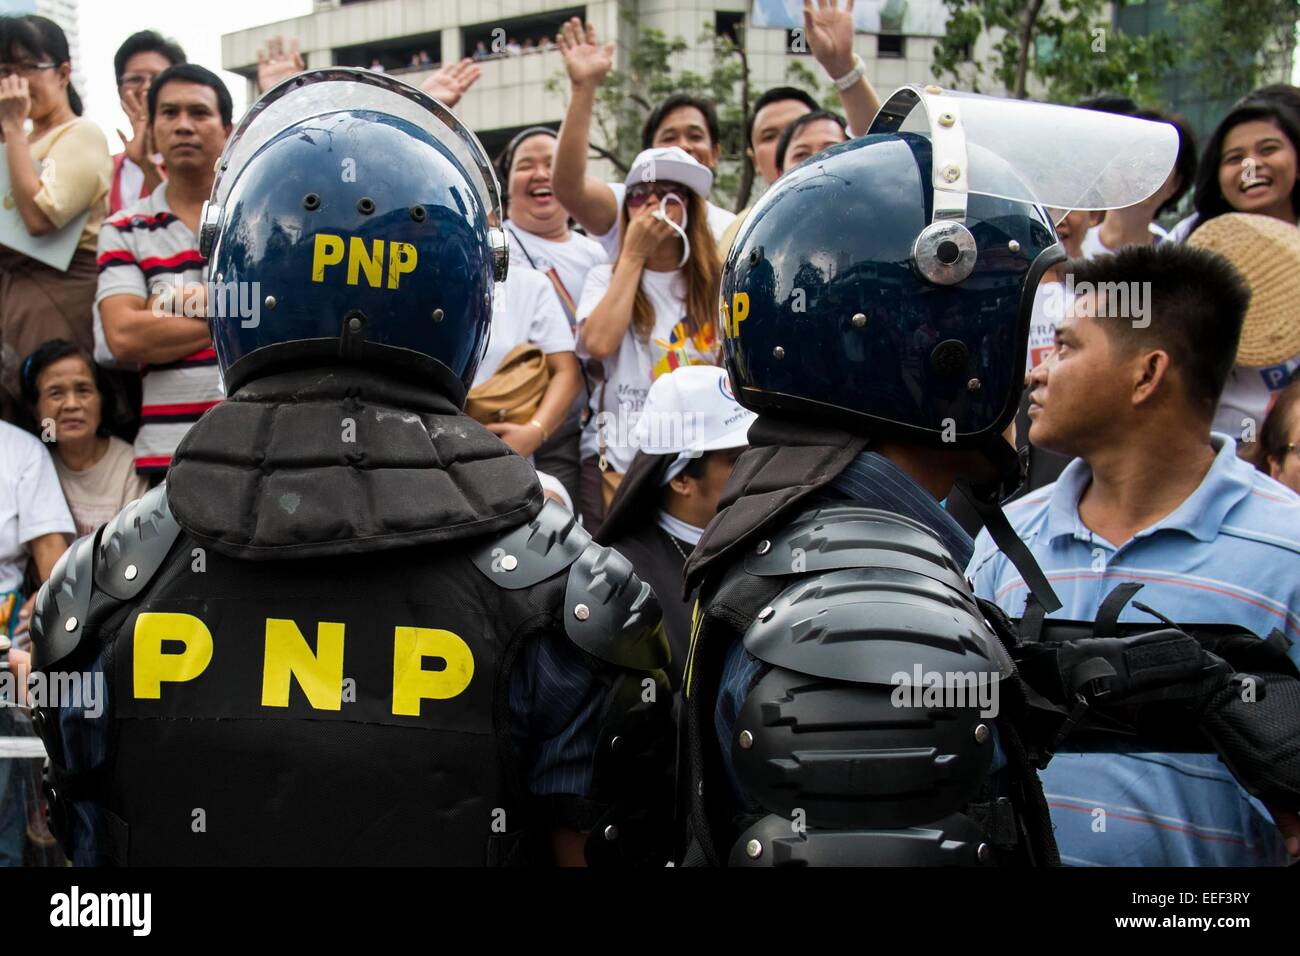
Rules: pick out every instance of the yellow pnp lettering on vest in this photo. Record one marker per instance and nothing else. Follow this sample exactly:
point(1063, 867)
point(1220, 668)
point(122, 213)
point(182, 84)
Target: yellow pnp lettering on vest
point(320, 675)
point(152, 666)
point(359, 260)
point(402, 258)
point(412, 682)
point(327, 251)
point(739, 311)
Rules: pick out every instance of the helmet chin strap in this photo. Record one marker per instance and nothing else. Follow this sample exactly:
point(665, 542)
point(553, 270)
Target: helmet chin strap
point(987, 497)
point(680, 230)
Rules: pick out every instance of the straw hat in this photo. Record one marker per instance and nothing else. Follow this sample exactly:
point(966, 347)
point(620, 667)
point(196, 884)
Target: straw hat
point(1266, 251)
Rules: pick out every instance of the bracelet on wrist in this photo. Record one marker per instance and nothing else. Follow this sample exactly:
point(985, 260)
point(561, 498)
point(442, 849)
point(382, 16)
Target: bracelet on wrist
point(546, 435)
point(848, 79)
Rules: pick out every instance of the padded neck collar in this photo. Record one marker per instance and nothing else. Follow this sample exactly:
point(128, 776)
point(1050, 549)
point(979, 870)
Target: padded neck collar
point(334, 461)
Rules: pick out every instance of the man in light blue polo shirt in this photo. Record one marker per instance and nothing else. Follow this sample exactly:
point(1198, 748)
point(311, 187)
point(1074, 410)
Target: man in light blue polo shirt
point(1154, 498)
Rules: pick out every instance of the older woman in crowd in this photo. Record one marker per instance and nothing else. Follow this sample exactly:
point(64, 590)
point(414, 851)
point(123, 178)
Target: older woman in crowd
point(64, 388)
point(58, 172)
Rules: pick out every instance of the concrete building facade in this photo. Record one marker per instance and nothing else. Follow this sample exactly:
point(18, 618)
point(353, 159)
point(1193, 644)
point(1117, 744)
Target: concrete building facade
point(512, 91)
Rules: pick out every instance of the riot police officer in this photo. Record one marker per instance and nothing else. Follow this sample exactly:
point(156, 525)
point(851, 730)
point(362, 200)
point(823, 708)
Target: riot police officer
point(346, 629)
point(847, 699)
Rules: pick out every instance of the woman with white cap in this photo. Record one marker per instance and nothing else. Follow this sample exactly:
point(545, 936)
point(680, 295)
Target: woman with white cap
point(690, 432)
point(650, 312)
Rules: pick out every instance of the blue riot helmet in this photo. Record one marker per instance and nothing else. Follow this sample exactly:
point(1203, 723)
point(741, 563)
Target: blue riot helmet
point(887, 283)
point(354, 219)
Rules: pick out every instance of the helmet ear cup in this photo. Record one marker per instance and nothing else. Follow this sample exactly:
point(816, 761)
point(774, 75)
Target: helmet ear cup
point(944, 253)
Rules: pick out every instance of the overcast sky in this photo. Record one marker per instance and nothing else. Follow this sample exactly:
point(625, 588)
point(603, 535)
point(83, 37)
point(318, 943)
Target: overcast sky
point(197, 27)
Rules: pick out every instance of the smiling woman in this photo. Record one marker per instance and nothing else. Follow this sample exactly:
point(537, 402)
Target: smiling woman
point(59, 170)
point(1250, 164)
point(541, 241)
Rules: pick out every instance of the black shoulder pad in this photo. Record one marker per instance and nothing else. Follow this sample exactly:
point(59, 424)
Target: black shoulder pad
point(534, 551)
point(850, 536)
point(133, 546)
point(612, 614)
point(63, 605)
point(867, 624)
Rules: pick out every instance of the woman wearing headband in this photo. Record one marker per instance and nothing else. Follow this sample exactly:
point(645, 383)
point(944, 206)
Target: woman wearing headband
point(541, 240)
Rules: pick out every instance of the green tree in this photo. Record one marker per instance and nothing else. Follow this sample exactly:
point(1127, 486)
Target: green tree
point(1072, 48)
point(1237, 45)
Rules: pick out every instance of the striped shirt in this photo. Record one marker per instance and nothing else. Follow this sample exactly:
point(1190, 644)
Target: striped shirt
point(143, 250)
point(1228, 554)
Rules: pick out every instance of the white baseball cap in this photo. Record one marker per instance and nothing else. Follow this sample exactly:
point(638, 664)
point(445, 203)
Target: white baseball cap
point(689, 411)
point(671, 164)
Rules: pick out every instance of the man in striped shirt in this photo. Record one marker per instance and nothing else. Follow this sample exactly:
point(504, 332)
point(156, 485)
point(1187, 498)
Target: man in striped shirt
point(1156, 499)
point(151, 300)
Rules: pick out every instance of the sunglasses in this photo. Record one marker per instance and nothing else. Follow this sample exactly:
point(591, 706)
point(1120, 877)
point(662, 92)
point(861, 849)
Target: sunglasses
point(640, 193)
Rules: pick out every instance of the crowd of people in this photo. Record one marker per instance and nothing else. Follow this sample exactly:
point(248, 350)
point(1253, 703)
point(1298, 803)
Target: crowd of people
point(609, 320)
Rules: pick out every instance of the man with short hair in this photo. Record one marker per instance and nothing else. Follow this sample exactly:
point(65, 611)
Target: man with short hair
point(150, 309)
point(1153, 498)
point(140, 58)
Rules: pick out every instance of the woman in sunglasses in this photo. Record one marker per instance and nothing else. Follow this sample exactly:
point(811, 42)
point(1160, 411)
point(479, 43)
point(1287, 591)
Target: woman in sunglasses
point(650, 312)
point(59, 171)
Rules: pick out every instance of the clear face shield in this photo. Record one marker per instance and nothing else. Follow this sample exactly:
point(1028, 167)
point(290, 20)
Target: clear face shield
point(1051, 156)
point(321, 92)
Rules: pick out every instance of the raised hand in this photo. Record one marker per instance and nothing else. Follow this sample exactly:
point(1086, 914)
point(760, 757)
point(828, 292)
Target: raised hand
point(15, 100)
point(829, 29)
point(135, 105)
point(276, 62)
point(449, 82)
point(586, 59)
point(645, 233)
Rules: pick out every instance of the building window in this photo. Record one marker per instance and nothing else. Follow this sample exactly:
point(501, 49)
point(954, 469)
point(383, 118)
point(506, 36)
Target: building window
point(516, 36)
point(411, 54)
point(891, 45)
point(729, 24)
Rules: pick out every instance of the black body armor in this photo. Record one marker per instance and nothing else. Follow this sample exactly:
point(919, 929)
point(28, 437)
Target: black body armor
point(347, 701)
point(842, 755)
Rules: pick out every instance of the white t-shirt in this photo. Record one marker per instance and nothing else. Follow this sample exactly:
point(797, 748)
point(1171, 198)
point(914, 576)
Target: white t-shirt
point(1092, 246)
point(1049, 306)
point(1182, 230)
point(571, 259)
point(528, 312)
point(630, 371)
point(719, 220)
point(31, 501)
point(1248, 397)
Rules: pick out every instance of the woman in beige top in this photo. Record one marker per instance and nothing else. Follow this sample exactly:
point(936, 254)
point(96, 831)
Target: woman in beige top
point(66, 390)
point(37, 302)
